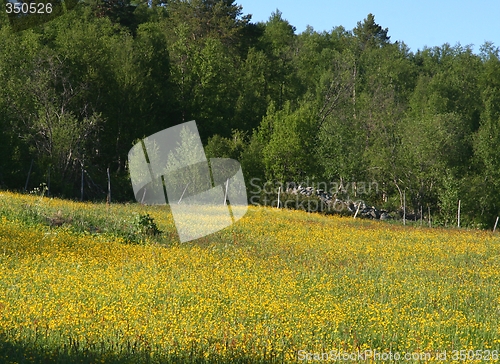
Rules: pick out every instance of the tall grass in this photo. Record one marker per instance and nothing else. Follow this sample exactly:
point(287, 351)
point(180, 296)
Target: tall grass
point(275, 283)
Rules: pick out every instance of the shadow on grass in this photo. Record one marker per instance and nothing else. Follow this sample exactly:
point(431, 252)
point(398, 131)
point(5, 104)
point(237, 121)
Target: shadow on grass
point(21, 353)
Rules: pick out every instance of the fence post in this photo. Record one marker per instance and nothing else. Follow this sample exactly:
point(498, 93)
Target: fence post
point(404, 207)
point(429, 212)
point(225, 193)
point(109, 187)
point(458, 218)
point(183, 192)
point(357, 210)
point(81, 186)
point(279, 192)
point(495, 227)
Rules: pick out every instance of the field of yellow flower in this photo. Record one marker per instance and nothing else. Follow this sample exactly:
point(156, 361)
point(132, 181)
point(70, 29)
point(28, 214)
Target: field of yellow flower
point(278, 286)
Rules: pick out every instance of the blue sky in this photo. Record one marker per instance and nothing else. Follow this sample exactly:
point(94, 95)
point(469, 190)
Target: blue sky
point(418, 23)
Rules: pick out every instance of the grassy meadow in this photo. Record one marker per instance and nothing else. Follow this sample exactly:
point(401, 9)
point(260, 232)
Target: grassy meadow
point(89, 283)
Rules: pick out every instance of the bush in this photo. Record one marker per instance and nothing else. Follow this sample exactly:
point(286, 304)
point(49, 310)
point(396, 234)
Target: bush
point(142, 227)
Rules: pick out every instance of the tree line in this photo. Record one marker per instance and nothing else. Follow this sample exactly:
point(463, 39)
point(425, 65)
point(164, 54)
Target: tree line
point(340, 106)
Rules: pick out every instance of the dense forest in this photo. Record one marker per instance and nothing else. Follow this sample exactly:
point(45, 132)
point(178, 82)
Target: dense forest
point(342, 106)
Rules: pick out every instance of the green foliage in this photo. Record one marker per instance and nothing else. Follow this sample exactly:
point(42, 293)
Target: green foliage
point(254, 90)
point(278, 43)
point(344, 105)
point(252, 161)
point(133, 226)
point(340, 136)
point(371, 34)
point(448, 200)
point(486, 146)
point(220, 147)
point(142, 226)
point(288, 153)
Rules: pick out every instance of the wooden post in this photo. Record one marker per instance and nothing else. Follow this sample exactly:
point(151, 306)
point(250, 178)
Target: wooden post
point(109, 187)
point(28, 179)
point(458, 216)
point(404, 207)
point(183, 192)
point(279, 192)
point(495, 227)
point(429, 212)
point(225, 193)
point(81, 186)
point(357, 210)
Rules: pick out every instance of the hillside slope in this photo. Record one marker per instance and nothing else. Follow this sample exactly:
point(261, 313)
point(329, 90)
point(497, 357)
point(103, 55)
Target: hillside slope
point(271, 288)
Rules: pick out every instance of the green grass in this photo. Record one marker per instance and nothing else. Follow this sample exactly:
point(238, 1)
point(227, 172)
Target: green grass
point(91, 283)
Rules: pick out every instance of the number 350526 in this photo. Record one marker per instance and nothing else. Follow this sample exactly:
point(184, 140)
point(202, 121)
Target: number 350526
point(25, 8)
